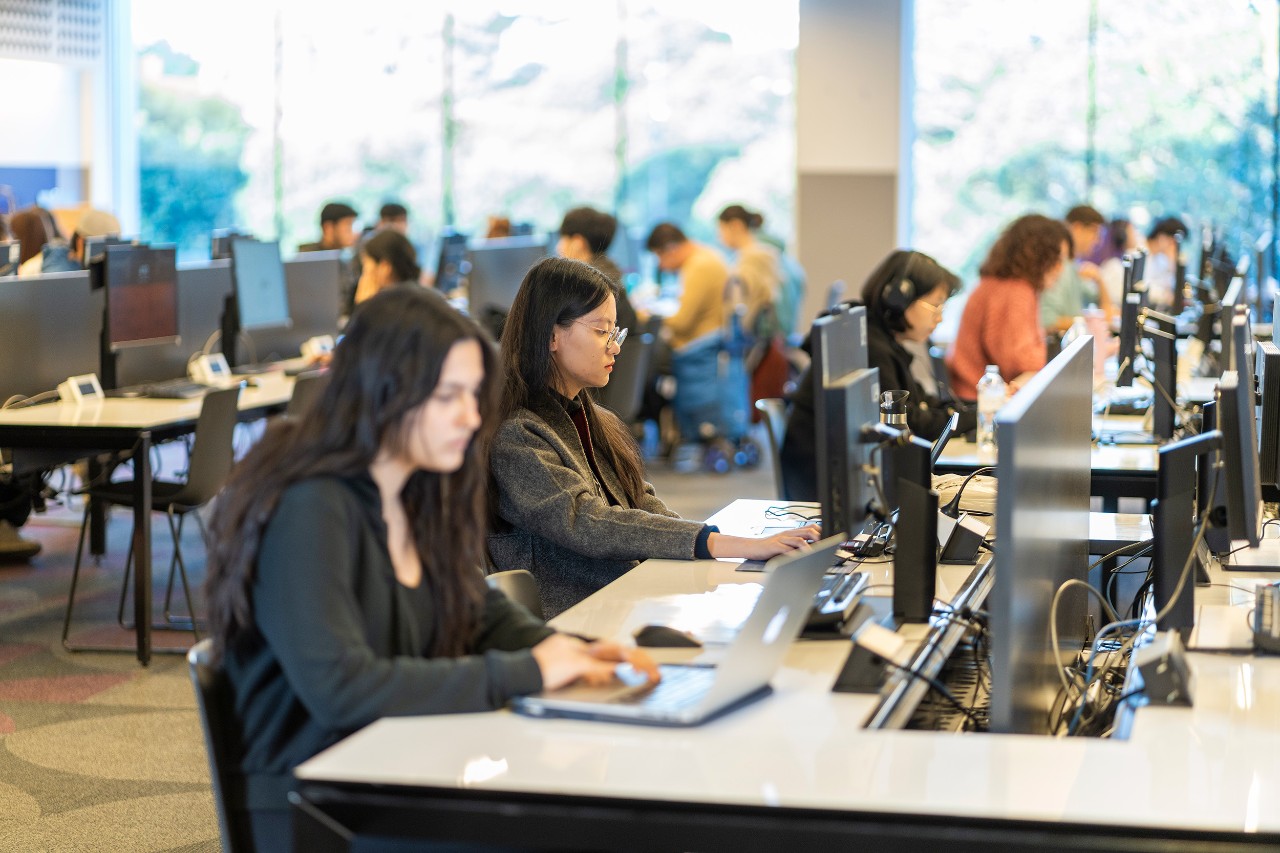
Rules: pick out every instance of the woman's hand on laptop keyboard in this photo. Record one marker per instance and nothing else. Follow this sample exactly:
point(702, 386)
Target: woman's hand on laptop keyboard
point(764, 547)
point(564, 660)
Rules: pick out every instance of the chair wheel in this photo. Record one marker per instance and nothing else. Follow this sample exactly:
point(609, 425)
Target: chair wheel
point(747, 454)
point(718, 457)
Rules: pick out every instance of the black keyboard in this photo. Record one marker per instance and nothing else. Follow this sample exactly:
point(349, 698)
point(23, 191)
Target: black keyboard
point(170, 389)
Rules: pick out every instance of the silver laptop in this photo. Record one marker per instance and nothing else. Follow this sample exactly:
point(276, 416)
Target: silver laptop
point(689, 694)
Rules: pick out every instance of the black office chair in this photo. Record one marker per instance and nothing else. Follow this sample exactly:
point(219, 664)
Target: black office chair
point(625, 391)
point(210, 463)
point(307, 388)
point(519, 586)
point(222, 743)
point(774, 410)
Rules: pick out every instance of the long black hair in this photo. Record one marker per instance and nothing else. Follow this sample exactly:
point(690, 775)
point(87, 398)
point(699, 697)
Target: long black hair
point(387, 364)
point(393, 247)
point(556, 292)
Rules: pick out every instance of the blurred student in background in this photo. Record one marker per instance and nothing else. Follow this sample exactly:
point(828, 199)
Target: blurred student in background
point(585, 235)
point(1164, 242)
point(1121, 238)
point(1001, 320)
point(1079, 285)
point(387, 259)
point(68, 255)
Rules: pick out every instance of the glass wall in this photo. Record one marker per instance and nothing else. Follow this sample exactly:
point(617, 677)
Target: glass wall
point(1143, 108)
point(255, 116)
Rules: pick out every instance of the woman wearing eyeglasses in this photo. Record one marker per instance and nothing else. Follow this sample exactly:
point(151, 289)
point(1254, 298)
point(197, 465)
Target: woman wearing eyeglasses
point(572, 504)
point(903, 298)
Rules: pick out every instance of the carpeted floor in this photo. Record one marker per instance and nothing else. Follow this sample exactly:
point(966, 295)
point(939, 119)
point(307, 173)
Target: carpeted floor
point(98, 753)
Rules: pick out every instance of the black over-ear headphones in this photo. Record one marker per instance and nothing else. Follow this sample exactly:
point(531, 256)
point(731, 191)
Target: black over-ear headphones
point(899, 292)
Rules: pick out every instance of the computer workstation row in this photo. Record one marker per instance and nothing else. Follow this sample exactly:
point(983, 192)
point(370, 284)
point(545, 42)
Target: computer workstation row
point(820, 766)
point(135, 318)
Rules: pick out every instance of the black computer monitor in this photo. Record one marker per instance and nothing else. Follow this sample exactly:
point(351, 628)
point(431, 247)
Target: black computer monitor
point(497, 269)
point(259, 298)
point(451, 263)
point(95, 247)
point(1237, 422)
point(1262, 277)
point(1232, 299)
point(838, 345)
point(10, 253)
point(849, 405)
point(1042, 515)
point(1130, 316)
point(142, 295)
point(1266, 363)
point(220, 242)
point(49, 325)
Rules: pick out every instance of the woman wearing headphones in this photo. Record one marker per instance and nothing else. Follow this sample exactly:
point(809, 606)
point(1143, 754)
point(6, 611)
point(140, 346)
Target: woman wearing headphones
point(903, 297)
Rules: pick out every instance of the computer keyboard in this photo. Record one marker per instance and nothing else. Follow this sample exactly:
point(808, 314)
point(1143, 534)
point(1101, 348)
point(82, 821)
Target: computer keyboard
point(679, 686)
point(169, 389)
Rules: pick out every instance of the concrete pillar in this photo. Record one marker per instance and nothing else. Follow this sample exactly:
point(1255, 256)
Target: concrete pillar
point(853, 137)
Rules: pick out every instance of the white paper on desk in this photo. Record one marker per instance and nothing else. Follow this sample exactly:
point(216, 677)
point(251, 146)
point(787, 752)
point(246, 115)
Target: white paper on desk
point(714, 616)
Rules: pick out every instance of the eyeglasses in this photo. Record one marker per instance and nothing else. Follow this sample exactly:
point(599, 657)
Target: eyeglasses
point(611, 336)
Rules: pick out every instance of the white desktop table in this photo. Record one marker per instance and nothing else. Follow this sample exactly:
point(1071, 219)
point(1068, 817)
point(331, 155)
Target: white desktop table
point(798, 768)
point(133, 425)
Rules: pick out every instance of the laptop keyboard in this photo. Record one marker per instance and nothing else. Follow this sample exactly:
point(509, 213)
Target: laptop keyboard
point(680, 686)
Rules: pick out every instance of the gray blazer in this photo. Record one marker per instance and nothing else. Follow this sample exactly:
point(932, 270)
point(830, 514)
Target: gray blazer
point(556, 520)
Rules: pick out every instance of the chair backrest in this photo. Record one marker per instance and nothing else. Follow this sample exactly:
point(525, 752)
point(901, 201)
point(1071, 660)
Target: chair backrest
point(938, 362)
point(214, 450)
point(625, 390)
point(222, 743)
point(775, 422)
point(519, 586)
point(307, 387)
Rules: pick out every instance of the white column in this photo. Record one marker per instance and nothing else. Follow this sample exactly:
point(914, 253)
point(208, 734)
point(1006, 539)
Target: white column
point(853, 137)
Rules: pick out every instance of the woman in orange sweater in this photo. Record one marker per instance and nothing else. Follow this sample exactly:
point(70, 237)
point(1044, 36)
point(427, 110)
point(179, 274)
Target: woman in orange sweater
point(1001, 320)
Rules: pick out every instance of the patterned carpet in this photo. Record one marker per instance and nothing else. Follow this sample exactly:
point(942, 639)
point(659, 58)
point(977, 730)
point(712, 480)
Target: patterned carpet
point(97, 753)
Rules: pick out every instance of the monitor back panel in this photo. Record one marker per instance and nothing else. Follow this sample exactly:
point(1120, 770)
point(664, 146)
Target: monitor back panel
point(50, 328)
point(1042, 527)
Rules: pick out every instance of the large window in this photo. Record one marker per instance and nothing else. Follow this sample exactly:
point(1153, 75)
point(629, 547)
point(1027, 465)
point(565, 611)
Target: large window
point(1144, 109)
point(254, 116)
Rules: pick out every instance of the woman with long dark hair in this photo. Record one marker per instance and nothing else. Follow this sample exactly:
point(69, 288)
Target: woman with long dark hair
point(345, 575)
point(387, 259)
point(572, 503)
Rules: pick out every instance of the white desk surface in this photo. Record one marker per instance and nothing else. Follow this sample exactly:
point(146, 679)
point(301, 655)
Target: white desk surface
point(270, 389)
point(1210, 767)
point(1134, 458)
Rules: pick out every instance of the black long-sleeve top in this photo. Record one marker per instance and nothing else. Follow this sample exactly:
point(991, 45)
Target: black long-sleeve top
point(338, 642)
point(926, 415)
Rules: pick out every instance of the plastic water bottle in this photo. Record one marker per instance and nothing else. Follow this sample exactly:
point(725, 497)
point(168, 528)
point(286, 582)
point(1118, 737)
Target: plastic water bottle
point(1078, 330)
point(991, 391)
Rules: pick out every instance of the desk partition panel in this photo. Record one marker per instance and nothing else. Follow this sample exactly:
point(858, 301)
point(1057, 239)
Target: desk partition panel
point(49, 330)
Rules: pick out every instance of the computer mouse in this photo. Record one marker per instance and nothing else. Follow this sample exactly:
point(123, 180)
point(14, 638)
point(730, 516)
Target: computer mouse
point(662, 636)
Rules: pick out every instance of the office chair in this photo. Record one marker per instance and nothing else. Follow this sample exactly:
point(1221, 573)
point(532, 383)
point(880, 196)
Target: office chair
point(775, 422)
point(625, 391)
point(938, 363)
point(307, 387)
point(519, 586)
point(210, 463)
point(222, 743)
